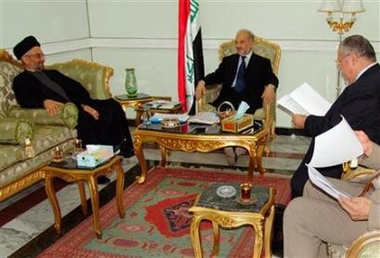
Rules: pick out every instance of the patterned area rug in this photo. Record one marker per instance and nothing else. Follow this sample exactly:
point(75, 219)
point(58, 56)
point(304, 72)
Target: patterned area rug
point(157, 221)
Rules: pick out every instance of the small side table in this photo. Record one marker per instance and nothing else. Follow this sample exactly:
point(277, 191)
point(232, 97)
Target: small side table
point(229, 213)
point(81, 175)
point(140, 111)
point(139, 100)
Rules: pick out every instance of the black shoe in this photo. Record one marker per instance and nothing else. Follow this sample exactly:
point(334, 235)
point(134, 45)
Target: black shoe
point(103, 180)
point(128, 154)
point(126, 150)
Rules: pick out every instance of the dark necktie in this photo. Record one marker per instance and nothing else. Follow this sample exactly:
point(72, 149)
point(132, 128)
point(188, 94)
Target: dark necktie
point(240, 83)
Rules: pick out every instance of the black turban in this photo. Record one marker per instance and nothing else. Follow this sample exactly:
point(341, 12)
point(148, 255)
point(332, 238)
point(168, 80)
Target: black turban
point(24, 46)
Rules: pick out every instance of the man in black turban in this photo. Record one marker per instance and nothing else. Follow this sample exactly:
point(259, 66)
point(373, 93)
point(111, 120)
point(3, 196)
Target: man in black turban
point(24, 46)
point(99, 121)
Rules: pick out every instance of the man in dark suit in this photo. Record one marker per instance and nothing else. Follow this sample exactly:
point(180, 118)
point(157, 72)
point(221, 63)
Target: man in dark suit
point(255, 83)
point(259, 79)
point(359, 103)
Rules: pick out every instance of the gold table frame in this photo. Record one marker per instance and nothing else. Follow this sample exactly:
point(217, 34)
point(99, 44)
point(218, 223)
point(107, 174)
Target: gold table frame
point(254, 143)
point(262, 223)
point(80, 176)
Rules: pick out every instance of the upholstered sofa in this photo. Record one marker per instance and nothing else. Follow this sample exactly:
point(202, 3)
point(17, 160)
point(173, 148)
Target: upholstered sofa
point(20, 162)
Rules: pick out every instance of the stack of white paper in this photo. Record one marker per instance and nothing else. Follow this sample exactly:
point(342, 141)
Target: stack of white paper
point(305, 101)
point(335, 146)
point(207, 118)
point(320, 181)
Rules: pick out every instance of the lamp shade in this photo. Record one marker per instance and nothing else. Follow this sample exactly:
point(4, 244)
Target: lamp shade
point(352, 6)
point(330, 6)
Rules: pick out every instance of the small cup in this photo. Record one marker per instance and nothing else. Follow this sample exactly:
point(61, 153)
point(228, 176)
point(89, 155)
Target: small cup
point(246, 191)
point(78, 147)
point(57, 154)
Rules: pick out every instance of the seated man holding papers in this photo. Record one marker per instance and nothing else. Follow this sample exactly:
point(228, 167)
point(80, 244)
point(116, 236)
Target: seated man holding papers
point(316, 218)
point(359, 104)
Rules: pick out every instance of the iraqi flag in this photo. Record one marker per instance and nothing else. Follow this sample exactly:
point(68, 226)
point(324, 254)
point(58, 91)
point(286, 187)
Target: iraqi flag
point(190, 53)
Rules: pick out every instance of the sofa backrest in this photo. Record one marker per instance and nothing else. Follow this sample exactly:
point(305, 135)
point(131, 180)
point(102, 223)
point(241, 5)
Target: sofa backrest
point(93, 76)
point(9, 68)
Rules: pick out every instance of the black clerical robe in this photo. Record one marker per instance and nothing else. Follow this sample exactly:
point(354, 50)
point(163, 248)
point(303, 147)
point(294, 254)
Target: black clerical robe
point(111, 128)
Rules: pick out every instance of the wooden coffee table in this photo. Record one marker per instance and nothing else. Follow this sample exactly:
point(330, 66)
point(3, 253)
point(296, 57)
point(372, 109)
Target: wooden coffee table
point(183, 139)
point(230, 213)
point(81, 175)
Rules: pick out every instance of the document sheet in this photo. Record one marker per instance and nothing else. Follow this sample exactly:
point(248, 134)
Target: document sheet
point(304, 100)
point(335, 146)
point(319, 180)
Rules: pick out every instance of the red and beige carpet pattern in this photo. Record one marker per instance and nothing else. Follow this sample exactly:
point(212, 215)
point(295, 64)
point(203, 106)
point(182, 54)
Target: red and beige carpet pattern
point(157, 219)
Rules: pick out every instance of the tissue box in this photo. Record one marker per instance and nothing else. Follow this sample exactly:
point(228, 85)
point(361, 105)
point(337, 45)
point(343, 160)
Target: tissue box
point(94, 155)
point(236, 126)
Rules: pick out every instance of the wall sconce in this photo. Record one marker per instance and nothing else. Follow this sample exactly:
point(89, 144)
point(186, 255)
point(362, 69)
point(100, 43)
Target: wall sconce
point(341, 8)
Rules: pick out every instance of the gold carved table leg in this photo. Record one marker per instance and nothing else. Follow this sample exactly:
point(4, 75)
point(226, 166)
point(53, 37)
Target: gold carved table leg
point(195, 235)
point(257, 225)
point(50, 192)
point(216, 233)
point(93, 187)
point(83, 199)
point(119, 188)
point(137, 144)
point(268, 232)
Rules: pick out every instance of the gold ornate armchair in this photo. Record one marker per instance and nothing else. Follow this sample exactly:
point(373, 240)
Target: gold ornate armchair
point(263, 48)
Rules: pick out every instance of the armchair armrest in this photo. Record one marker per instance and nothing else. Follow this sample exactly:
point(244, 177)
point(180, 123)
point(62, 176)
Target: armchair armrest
point(15, 131)
point(67, 115)
point(367, 245)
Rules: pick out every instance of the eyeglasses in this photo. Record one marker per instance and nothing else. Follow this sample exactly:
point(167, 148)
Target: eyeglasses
point(339, 61)
point(37, 55)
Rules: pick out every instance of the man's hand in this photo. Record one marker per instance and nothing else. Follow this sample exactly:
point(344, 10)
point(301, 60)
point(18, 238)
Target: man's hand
point(52, 106)
point(200, 90)
point(357, 207)
point(93, 112)
point(365, 141)
point(268, 94)
point(299, 120)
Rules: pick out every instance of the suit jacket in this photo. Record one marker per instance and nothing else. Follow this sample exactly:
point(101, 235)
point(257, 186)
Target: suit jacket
point(258, 74)
point(359, 103)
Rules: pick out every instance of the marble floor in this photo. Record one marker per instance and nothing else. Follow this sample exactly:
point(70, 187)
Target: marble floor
point(26, 233)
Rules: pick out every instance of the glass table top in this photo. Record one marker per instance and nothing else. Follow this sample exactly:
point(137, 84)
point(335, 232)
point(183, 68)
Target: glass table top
point(211, 198)
point(198, 129)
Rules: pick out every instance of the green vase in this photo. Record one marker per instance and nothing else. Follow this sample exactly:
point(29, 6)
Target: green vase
point(130, 83)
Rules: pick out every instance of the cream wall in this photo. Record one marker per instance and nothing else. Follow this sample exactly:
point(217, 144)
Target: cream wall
point(143, 35)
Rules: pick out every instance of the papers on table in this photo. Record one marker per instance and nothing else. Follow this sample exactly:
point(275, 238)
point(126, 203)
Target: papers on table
point(207, 118)
point(162, 104)
point(335, 146)
point(304, 100)
point(320, 181)
point(157, 117)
